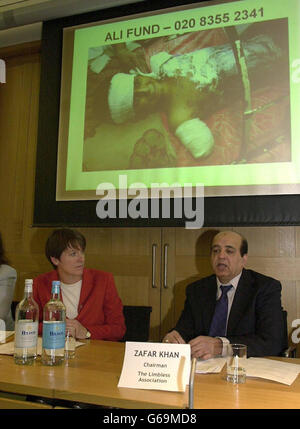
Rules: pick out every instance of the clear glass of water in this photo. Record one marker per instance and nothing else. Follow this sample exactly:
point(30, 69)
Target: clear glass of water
point(236, 363)
point(70, 343)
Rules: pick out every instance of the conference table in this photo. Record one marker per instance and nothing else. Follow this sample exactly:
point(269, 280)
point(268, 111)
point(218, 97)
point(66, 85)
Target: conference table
point(92, 378)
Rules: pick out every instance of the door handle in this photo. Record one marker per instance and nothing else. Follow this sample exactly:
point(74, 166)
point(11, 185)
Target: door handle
point(166, 247)
point(154, 247)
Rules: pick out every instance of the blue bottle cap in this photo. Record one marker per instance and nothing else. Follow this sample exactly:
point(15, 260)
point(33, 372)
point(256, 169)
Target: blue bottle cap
point(55, 286)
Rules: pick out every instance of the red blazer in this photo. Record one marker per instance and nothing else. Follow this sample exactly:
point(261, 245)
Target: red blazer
point(100, 309)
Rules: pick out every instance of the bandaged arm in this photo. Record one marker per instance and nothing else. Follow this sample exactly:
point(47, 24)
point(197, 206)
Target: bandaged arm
point(196, 137)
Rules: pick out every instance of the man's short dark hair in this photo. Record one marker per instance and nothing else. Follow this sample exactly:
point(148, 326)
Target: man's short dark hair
point(244, 246)
point(60, 240)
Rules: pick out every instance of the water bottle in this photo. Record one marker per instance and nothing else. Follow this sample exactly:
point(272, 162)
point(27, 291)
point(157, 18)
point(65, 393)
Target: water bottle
point(26, 327)
point(54, 327)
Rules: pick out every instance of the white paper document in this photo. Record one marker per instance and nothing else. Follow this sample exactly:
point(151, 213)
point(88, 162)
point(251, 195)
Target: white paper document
point(4, 335)
point(271, 369)
point(213, 365)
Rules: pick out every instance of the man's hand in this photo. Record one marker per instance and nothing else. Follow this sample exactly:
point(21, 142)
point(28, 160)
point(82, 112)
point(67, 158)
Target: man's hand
point(205, 347)
point(173, 337)
point(80, 330)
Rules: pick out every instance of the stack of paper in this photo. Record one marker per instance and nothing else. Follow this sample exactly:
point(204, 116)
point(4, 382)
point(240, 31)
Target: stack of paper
point(213, 365)
point(270, 369)
point(4, 335)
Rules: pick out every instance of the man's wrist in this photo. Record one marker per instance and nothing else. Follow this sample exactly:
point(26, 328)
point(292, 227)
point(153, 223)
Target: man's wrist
point(225, 343)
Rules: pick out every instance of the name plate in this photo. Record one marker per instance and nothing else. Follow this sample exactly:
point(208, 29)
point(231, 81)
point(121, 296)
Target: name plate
point(157, 366)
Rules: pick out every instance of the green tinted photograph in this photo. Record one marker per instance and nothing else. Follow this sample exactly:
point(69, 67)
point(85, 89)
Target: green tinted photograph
point(219, 96)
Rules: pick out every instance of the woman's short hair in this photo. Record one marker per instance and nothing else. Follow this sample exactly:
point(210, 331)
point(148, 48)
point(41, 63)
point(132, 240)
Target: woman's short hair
point(60, 240)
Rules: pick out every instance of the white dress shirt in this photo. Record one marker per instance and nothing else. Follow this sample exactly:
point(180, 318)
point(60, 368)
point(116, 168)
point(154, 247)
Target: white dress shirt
point(230, 295)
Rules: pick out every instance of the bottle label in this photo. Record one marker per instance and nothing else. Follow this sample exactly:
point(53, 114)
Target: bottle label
point(26, 334)
point(54, 335)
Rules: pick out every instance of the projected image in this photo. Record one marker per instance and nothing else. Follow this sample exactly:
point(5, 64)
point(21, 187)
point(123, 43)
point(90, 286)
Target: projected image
point(211, 97)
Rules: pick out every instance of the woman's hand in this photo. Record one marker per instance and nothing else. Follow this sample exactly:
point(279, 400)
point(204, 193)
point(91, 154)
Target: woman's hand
point(80, 330)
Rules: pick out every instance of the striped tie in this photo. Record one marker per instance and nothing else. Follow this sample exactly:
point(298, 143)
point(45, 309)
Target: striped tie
point(219, 321)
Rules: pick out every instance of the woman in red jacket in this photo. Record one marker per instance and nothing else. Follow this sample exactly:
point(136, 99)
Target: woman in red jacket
point(92, 303)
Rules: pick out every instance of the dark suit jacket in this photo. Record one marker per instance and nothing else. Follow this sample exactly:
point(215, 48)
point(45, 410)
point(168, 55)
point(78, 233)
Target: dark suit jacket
point(255, 318)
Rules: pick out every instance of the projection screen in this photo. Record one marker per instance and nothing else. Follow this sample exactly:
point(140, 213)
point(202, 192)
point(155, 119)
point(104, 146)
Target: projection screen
point(205, 94)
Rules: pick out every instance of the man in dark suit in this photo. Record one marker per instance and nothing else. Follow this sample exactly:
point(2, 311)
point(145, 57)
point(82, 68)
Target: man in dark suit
point(253, 305)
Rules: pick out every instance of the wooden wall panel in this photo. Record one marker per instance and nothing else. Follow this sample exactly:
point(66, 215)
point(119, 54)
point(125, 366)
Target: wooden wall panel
point(18, 130)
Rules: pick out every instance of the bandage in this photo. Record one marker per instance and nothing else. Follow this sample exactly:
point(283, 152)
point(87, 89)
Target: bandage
point(196, 137)
point(120, 97)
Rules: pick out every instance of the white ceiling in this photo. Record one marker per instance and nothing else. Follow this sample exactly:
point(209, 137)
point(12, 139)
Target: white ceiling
point(21, 20)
